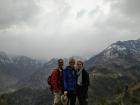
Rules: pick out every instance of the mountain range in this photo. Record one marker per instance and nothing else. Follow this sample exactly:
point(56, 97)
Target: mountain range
point(21, 71)
point(118, 65)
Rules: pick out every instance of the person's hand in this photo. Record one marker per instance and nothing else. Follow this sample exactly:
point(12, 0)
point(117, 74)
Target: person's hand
point(65, 93)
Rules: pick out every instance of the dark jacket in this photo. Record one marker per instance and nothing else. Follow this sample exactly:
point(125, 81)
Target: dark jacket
point(70, 79)
point(85, 78)
point(83, 89)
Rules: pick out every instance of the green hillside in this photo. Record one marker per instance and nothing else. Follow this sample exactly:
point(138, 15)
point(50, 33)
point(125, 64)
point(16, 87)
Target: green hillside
point(130, 96)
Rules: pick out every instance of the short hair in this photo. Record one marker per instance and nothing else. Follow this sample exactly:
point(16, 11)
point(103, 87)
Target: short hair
point(79, 61)
point(59, 60)
point(71, 60)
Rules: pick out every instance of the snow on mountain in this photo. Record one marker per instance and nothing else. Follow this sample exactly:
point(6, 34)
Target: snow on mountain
point(26, 61)
point(122, 48)
point(4, 58)
point(119, 51)
point(111, 51)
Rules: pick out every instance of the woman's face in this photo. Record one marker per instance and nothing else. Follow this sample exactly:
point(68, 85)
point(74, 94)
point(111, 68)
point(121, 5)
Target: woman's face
point(79, 65)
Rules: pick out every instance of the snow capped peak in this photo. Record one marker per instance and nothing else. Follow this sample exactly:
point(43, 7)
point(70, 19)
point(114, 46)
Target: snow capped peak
point(122, 48)
point(115, 47)
point(4, 58)
point(113, 50)
point(3, 54)
point(25, 60)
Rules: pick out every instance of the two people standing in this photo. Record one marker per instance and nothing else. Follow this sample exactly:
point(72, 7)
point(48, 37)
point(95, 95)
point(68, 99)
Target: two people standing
point(73, 82)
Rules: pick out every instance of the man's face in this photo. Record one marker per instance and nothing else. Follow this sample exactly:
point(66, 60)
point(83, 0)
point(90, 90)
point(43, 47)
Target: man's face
point(72, 62)
point(61, 63)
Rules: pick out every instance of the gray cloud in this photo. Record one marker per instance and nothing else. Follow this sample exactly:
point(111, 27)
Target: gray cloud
point(125, 16)
point(81, 13)
point(94, 11)
point(13, 12)
point(55, 32)
point(129, 7)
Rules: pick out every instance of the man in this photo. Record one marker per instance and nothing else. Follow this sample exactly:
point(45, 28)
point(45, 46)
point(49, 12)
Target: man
point(57, 82)
point(82, 83)
point(70, 80)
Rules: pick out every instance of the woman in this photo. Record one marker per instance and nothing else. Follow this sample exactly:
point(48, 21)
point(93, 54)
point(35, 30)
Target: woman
point(82, 83)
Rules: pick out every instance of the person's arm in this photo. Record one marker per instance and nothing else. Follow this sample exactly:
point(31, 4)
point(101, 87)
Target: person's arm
point(88, 79)
point(87, 82)
point(65, 81)
point(55, 81)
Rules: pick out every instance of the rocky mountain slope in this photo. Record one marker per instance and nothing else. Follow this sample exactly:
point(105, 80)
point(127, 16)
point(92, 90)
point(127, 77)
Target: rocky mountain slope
point(27, 96)
point(15, 69)
point(119, 64)
point(129, 96)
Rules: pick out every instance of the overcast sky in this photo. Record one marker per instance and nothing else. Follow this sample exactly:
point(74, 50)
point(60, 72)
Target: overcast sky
point(63, 28)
